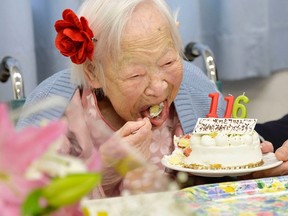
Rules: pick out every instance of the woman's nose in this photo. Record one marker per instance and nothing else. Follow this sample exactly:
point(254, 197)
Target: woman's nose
point(157, 86)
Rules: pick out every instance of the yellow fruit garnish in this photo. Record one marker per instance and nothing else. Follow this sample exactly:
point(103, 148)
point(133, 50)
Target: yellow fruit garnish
point(213, 134)
point(183, 143)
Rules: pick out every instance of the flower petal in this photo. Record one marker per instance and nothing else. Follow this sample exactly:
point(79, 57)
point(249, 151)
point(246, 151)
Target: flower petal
point(86, 28)
point(62, 24)
point(71, 17)
point(74, 38)
point(74, 35)
point(27, 145)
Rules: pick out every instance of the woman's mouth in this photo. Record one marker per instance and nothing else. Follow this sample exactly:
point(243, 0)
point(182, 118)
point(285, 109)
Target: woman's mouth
point(157, 113)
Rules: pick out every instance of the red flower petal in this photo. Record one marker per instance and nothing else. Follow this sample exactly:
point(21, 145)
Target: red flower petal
point(74, 38)
point(74, 35)
point(71, 17)
point(86, 28)
point(80, 57)
point(60, 25)
point(81, 51)
point(65, 45)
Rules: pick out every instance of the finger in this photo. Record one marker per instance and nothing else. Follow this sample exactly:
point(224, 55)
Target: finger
point(277, 171)
point(267, 147)
point(131, 127)
point(282, 152)
point(145, 128)
point(139, 134)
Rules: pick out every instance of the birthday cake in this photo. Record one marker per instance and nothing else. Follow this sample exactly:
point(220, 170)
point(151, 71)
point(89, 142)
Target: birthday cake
point(218, 143)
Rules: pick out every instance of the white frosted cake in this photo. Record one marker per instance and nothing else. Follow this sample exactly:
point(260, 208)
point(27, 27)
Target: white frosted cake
point(220, 143)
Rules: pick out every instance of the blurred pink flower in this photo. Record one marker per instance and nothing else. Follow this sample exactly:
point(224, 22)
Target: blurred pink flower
point(18, 149)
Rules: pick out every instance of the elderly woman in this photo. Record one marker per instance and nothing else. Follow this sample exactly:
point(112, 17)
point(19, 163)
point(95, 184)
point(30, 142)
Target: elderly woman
point(128, 62)
point(128, 87)
point(127, 57)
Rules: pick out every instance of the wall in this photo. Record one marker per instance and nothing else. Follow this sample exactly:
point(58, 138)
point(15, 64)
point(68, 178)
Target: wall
point(17, 41)
point(268, 96)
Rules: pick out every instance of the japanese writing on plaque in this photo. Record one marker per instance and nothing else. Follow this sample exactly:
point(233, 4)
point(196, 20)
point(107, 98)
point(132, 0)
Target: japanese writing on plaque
point(225, 125)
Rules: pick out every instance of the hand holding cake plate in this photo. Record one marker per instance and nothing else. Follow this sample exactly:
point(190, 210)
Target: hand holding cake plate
point(269, 159)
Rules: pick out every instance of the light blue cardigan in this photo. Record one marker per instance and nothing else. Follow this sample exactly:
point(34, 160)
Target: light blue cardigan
point(191, 102)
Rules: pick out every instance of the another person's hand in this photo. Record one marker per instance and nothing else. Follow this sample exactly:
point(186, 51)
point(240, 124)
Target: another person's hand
point(267, 147)
point(281, 154)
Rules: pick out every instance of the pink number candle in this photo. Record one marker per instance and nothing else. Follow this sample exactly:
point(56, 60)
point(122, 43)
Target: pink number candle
point(214, 104)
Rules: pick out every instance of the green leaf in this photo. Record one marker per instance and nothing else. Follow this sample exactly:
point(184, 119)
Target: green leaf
point(70, 189)
point(31, 205)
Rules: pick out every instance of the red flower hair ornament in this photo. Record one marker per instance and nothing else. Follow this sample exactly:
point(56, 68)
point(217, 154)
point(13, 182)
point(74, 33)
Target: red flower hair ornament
point(74, 38)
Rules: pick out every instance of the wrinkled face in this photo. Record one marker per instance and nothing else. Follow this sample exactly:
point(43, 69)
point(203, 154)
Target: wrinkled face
point(149, 70)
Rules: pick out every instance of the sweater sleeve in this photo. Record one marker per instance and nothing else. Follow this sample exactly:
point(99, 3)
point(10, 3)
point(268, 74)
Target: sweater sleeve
point(59, 86)
point(275, 131)
point(192, 101)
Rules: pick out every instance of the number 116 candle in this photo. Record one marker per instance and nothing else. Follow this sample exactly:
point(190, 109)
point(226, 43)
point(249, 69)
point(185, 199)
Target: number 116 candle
point(233, 107)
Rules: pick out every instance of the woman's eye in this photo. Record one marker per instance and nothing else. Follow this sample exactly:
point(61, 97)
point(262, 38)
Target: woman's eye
point(134, 76)
point(169, 63)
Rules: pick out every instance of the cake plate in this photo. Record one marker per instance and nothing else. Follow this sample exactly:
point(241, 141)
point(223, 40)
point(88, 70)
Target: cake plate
point(269, 159)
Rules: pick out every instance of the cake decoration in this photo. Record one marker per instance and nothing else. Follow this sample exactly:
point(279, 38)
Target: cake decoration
point(224, 125)
point(220, 143)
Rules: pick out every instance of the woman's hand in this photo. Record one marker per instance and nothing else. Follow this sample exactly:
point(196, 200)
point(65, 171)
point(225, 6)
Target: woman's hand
point(133, 138)
point(126, 150)
point(138, 135)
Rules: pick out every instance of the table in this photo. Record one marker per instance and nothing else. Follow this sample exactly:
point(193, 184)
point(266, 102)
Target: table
point(266, 196)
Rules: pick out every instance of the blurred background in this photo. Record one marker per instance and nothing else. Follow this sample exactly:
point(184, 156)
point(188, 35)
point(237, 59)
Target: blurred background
point(249, 40)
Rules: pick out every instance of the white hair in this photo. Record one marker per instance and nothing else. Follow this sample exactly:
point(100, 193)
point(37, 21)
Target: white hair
point(107, 19)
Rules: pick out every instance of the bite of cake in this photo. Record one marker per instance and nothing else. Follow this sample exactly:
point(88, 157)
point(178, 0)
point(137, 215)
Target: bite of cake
point(155, 110)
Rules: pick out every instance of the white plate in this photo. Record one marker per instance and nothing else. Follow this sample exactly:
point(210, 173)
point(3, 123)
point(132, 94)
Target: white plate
point(269, 159)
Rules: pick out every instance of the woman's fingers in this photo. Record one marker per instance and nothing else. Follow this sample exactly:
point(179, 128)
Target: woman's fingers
point(132, 127)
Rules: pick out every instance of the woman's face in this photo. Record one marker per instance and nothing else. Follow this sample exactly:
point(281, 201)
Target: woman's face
point(149, 70)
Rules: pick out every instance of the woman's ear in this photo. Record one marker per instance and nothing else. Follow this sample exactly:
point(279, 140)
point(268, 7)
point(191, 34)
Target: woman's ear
point(91, 76)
